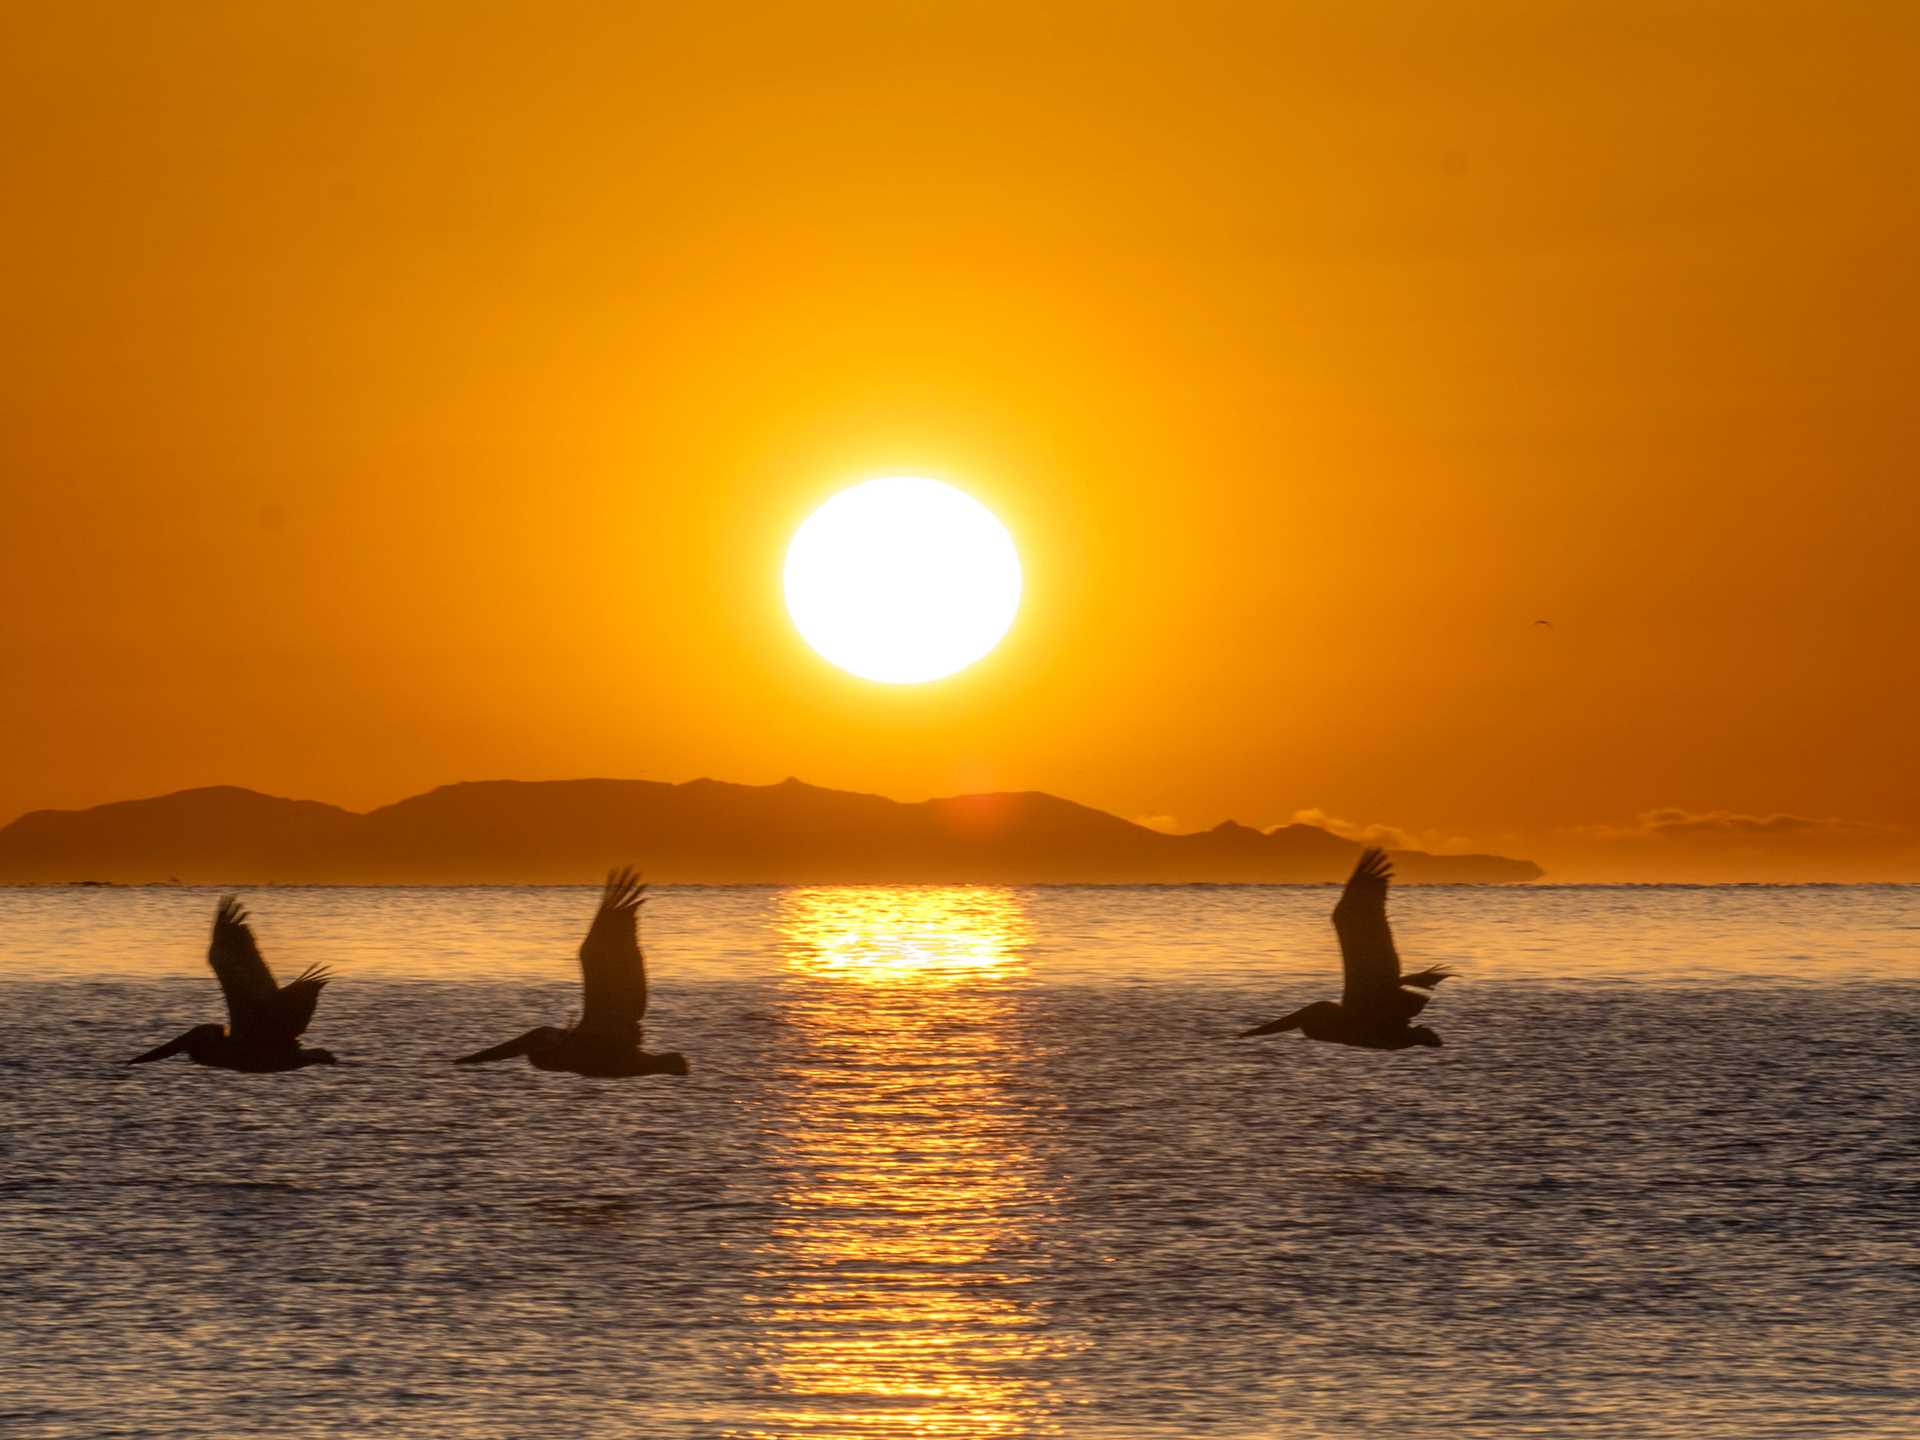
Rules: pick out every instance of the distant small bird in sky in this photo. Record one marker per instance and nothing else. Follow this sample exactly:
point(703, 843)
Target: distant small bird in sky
point(1547, 623)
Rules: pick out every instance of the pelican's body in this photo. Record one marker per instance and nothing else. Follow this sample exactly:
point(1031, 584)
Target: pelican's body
point(579, 1052)
point(265, 1019)
point(1330, 1020)
point(1377, 1001)
point(606, 1042)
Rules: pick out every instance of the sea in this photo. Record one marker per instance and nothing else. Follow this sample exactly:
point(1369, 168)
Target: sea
point(973, 1162)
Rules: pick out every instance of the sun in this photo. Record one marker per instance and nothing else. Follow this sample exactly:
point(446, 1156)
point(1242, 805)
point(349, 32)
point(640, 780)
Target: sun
point(902, 580)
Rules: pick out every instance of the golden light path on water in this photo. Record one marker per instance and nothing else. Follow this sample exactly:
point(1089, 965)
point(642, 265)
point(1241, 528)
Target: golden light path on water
point(892, 1306)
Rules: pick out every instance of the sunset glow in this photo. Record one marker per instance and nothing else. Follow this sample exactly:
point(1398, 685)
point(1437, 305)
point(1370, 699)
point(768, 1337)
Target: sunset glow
point(370, 428)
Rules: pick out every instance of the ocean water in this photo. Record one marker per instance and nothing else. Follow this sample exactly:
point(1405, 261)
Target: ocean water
point(973, 1162)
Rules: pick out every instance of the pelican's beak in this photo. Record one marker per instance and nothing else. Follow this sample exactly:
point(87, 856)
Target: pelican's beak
point(161, 1052)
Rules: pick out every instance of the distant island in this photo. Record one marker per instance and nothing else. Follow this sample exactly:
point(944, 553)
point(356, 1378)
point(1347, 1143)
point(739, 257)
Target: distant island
point(700, 832)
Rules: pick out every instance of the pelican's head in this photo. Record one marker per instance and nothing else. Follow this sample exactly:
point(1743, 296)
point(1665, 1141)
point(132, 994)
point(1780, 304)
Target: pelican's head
point(670, 1062)
point(318, 1057)
point(1422, 1035)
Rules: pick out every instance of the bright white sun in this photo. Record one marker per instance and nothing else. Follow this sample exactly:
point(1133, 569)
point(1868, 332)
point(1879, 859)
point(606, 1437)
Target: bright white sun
point(902, 580)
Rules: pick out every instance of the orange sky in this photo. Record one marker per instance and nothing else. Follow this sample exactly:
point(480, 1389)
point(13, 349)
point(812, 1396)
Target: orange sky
point(397, 394)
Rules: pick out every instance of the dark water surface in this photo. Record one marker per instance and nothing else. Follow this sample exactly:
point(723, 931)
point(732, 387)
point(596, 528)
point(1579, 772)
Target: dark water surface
point(973, 1162)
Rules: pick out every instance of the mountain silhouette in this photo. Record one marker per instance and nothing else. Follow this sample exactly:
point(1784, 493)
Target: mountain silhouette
point(704, 831)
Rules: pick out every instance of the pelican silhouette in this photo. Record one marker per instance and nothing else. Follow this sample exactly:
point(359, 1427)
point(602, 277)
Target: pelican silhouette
point(606, 1041)
point(1378, 1001)
point(266, 1020)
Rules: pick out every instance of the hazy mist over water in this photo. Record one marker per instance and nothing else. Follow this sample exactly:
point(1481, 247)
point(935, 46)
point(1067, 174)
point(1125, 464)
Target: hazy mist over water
point(974, 1162)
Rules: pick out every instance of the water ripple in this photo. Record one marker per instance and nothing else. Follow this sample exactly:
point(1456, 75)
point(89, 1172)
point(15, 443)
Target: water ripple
point(976, 1163)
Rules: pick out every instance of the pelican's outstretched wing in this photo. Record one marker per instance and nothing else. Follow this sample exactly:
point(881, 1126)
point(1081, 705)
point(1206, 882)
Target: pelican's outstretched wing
point(244, 978)
point(1366, 941)
point(611, 967)
point(296, 1000)
point(257, 1009)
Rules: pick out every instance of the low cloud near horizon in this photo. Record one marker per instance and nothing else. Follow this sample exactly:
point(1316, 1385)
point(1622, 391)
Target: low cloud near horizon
point(1388, 837)
point(1671, 843)
point(1670, 822)
point(1676, 845)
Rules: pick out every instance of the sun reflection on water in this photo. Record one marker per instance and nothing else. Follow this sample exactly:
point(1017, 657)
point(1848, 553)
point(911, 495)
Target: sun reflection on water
point(897, 1272)
point(923, 934)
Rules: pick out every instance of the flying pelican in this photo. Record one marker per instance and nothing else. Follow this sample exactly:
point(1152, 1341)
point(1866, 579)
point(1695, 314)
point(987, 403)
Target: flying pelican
point(267, 1020)
point(606, 1041)
point(1378, 1000)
